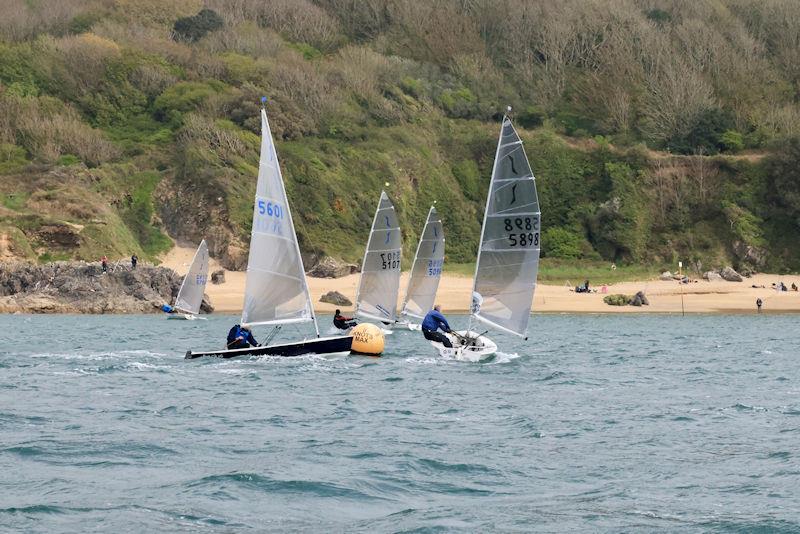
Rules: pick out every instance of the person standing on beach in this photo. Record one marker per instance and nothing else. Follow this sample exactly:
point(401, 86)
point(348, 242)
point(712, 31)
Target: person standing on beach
point(134, 260)
point(104, 263)
point(759, 303)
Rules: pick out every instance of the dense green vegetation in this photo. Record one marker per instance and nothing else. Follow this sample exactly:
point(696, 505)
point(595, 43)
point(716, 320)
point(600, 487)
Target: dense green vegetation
point(658, 129)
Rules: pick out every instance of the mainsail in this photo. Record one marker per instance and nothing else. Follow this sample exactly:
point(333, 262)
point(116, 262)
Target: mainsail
point(508, 259)
point(190, 295)
point(380, 271)
point(427, 268)
point(276, 290)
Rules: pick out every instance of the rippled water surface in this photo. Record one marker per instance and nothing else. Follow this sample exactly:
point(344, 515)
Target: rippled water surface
point(596, 423)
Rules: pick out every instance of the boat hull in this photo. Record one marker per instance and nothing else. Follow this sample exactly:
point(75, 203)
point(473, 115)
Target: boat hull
point(482, 350)
point(185, 317)
point(323, 345)
point(403, 325)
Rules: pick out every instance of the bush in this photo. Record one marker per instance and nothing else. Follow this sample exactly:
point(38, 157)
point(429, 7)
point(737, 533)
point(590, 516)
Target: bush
point(192, 29)
point(617, 300)
point(561, 243)
point(12, 158)
point(183, 97)
point(731, 141)
point(531, 117)
point(705, 135)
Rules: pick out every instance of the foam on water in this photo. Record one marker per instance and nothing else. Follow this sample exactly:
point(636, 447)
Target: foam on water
point(630, 427)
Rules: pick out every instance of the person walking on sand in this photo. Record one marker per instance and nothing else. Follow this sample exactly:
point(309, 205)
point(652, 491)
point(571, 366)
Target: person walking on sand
point(104, 263)
point(759, 303)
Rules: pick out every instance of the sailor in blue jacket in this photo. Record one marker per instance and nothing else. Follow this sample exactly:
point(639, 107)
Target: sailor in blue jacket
point(433, 321)
point(240, 337)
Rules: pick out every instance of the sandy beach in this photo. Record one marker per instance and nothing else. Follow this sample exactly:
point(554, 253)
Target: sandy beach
point(454, 293)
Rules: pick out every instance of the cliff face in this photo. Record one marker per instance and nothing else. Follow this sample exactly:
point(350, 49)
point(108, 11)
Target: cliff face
point(79, 287)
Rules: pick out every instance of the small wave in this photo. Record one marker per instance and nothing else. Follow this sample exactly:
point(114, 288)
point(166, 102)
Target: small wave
point(747, 408)
point(432, 465)
point(269, 485)
point(784, 455)
point(505, 357)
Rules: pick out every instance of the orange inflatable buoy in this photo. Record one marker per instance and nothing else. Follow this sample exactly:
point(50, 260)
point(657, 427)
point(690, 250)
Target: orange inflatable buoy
point(367, 339)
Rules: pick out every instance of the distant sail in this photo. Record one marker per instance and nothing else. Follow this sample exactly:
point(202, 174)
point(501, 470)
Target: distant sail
point(190, 295)
point(427, 268)
point(276, 290)
point(508, 259)
point(380, 272)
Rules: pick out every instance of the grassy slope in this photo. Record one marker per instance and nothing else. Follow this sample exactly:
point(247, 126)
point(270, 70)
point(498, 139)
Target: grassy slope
point(102, 117)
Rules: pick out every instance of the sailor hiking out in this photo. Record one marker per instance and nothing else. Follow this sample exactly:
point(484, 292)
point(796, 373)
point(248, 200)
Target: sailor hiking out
point(240, 337)
point(433, 321)
point(341, 322)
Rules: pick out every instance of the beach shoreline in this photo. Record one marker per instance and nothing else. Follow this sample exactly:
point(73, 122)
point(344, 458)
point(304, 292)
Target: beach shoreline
point(703, 297)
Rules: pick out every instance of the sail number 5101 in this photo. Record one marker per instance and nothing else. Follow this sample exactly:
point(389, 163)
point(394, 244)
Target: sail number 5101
point(522, 231)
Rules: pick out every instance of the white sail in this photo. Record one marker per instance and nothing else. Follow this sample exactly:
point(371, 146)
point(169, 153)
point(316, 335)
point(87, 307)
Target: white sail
point(508, 259)
point(427, 268)
point(380, 272)
point(275, 291)
point(190, 295)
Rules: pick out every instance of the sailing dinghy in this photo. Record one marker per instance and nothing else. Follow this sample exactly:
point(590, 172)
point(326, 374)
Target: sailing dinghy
point(276, 289)
point(190, 295)
point(508, 257)
point(378, 287)
point(425, 273)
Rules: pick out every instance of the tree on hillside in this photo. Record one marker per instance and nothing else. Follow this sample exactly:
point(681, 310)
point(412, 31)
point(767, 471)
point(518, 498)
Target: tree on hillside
point(192, 29)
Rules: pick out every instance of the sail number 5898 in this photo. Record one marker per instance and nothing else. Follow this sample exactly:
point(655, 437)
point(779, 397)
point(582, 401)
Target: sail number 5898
point(522, 231)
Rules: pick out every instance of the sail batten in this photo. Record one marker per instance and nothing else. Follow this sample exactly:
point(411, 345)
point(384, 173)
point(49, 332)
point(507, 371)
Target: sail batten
point(426, 270)
point(508, 257)
point(276, 291)
point(379, 283)
point(190, 295)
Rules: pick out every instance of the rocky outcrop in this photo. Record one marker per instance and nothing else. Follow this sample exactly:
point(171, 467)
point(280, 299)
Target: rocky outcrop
point(335, 298)
point(712, 276)
point(749, 256)
point(218, 277)
point(639, 299)
point(330, 268)
point(730, 275)
point(80, 287)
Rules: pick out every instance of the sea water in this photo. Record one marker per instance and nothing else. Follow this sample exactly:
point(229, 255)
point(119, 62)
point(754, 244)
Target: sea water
point(595, 423)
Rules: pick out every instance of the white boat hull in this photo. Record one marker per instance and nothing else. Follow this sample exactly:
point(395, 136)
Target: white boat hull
point(481, 350)
point(403, 325)
point(185, 317)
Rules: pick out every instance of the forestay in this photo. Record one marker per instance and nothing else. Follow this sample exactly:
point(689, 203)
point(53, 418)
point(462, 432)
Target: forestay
point(380, 271)
point(190, 295)
point(508, 259)
point(427, 268)
point(275, 290)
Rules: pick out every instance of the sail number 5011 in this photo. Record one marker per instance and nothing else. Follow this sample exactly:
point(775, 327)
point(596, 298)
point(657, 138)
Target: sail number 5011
point(522, 231)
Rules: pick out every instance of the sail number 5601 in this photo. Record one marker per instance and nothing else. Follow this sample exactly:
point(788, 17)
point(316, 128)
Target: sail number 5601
point(522, 231)
point(270, 209)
